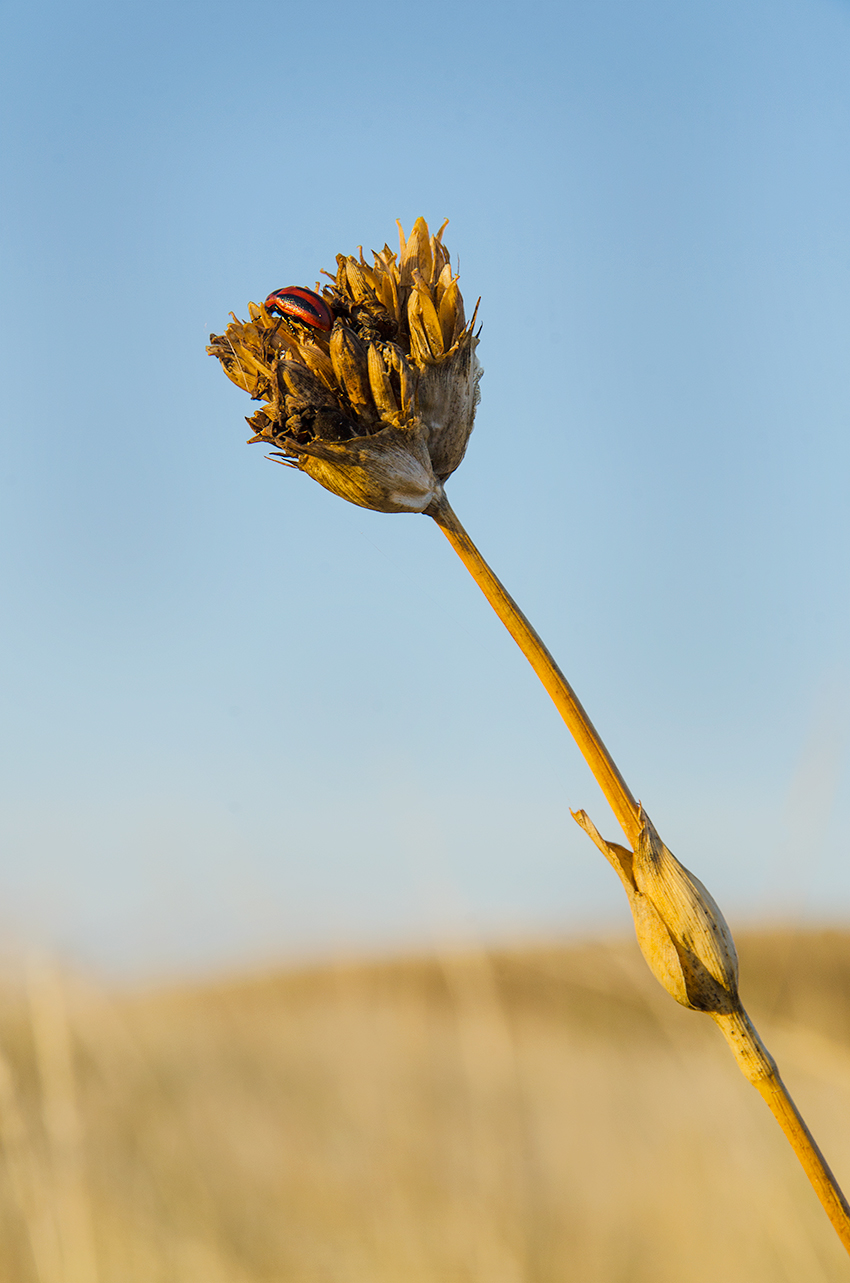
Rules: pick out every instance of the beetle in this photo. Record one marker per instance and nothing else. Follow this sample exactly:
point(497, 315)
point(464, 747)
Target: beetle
point(301, 304)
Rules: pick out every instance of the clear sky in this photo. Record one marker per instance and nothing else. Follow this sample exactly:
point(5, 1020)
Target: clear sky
point(244, 719)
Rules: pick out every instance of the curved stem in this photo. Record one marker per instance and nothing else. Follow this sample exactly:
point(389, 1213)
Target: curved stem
point(753, 1058)
point(566, 701)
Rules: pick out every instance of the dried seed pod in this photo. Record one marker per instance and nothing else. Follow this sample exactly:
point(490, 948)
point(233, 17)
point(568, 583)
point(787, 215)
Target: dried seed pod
point(355, 279)
point(682, 934)
point(319, 362)
point(240, 351)
point(444, 280)
point(452, 320)
point(350, 359)
point(423, 314)
point(692, 916)
point(300, 386)
point(406, 375)
point(379, 381)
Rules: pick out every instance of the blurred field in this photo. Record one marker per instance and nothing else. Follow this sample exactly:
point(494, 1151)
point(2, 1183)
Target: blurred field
point(523, 1116)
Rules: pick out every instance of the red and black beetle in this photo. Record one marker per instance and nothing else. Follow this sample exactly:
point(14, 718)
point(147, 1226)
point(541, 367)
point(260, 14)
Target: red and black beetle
point(301, 305)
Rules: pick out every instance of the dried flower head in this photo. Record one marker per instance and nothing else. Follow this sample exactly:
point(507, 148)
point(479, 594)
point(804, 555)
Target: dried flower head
point(379, 407)
point(682, 934)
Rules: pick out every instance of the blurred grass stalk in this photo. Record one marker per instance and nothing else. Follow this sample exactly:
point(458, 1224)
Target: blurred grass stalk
point(680, 929)
point(63, 1130)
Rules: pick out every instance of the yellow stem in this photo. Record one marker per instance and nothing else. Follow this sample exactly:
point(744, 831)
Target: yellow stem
point(752, 1056)
point(759, 1067)
point(566, 701)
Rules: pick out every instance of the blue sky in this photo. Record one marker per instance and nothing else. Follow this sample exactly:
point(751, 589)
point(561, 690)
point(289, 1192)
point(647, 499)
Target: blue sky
point(244, 719)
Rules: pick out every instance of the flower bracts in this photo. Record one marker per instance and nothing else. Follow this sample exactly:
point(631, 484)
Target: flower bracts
point(379, 408)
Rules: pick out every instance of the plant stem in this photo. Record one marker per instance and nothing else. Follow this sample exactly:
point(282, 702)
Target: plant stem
point(759, 1067)
point(566, 701)
point(754, 1061)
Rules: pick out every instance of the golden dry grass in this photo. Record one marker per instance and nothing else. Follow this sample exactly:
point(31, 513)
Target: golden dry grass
point(534, 1115)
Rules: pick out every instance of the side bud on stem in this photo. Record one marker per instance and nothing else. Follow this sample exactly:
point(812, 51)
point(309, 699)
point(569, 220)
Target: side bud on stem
point(681, 932)
point(688, 947)
point(685, 939)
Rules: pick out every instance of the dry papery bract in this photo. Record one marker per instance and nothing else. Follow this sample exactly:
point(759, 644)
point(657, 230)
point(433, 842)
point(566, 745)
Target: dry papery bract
point(681, 931)
point(380, 409)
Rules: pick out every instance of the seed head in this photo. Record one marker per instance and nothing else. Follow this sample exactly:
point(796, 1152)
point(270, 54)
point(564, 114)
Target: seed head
point(380, 408)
